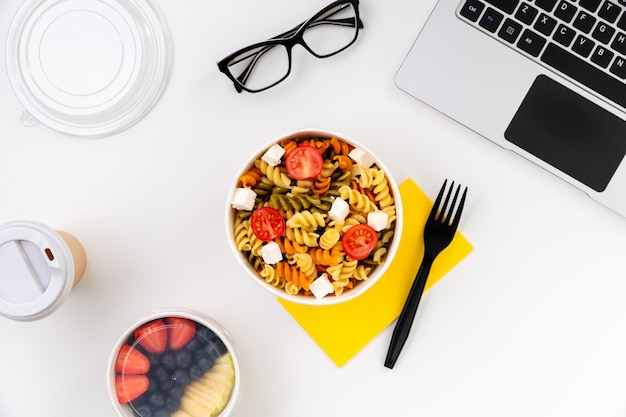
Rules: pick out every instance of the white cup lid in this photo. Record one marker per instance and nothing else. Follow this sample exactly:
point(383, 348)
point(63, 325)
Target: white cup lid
point(89, 68)
point(36, 270)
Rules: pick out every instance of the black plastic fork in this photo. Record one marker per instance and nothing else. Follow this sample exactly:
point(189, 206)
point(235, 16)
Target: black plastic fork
point(439, 231)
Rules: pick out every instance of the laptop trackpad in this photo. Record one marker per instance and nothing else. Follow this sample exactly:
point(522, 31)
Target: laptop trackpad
point(569, 132)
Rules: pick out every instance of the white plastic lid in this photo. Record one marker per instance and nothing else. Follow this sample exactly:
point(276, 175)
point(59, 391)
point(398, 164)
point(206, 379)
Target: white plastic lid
point(36, 270)
point(90, 68)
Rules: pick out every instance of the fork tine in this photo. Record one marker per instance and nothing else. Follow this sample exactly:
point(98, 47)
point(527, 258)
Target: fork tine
point(442, 212)
point(448, 215)
point(459, 210)
point(435, 209)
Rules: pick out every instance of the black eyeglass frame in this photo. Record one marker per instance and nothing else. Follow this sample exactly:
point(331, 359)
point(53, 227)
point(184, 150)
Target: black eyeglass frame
point(289, 39)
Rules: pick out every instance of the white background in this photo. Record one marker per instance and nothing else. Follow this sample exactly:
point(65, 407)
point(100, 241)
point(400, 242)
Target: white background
point(531, 323)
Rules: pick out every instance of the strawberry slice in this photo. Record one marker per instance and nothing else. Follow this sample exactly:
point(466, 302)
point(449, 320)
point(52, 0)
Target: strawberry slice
point(130, 361)
point(181, 331)
point(130, 387)
point(152, 336)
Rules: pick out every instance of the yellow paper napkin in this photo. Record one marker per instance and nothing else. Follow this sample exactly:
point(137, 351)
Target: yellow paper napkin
point(342, 330)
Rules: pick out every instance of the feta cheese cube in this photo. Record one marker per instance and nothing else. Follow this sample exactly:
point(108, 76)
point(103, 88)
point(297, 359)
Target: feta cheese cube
point(243, 199)
point(339, 209)
point(361, 156)
point(321, 286)
point(273, 154)
point(271, 253)
point(377, 220)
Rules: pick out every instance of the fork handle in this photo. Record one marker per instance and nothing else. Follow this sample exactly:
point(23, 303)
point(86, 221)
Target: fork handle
point(405, 320)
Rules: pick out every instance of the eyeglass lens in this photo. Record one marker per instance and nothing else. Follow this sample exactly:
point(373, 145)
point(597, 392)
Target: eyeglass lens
point(261, 67)
point(331, 31)
point(267, 64)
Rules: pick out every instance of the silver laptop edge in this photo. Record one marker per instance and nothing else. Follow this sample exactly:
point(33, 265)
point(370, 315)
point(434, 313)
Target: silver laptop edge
point(481, 83)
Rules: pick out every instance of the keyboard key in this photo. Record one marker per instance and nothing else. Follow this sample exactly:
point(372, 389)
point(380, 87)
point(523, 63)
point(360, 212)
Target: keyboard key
point(586, 74)
point(508, 6)
point(510, 30)
point(526, 13)
point(584, 21)
point(491, 19)
point(471, 9)
point(619, 68)
point(545, 24)
point(546, 5)
point(619, 43)
point(531, 42)
point(565, 11)
point(583, 46)
point(564, 35)
point(602, 56)
point(609, 11)
point(621, 23)
point(590, 5)
point(603, 33)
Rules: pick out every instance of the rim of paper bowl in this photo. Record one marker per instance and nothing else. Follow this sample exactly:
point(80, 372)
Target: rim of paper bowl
point(124, 410)
point(363, 286)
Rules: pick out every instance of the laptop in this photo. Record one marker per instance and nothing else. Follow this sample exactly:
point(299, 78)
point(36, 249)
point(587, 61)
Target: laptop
point(544, 78)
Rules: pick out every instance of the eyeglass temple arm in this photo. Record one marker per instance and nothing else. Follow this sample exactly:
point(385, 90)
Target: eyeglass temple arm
point(243, 77)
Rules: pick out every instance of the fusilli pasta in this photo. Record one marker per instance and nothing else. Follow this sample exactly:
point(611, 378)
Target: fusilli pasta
point(311, 243)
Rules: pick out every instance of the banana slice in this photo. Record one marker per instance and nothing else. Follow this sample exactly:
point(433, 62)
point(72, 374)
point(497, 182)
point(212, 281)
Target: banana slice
point(180, 413)
point(208, 395)
point(194, 408)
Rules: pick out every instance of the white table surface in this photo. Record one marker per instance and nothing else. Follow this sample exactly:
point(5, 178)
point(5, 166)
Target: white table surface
point(531, 323)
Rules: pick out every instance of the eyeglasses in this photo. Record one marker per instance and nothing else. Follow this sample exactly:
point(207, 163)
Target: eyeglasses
point(330, 31)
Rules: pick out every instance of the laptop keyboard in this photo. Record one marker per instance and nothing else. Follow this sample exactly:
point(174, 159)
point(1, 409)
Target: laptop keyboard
point(584, 40)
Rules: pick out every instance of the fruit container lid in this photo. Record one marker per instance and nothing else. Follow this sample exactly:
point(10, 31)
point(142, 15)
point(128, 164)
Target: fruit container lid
point(89, 68)
point(174, 363)
point(35, 271)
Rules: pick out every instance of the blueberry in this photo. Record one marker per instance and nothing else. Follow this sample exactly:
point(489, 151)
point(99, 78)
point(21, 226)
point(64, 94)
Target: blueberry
point(210, 351)
point(221, 347)
point(181, 377)
point(183, 359)
point(162, 413)
point(143, 410)
point(210, 336)
point(159, 374)
point(156, 400)
point(167, 361)
point(172, 405)
point(176, 392)
point(193, 344)
point(195, 372)
point(206, 333)
point(167, 385)
point(205, 363)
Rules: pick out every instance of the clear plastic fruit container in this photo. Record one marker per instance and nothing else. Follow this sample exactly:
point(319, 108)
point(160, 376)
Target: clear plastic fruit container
point(174, 363)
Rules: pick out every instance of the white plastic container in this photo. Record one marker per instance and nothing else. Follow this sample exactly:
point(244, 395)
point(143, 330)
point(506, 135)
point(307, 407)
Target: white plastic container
point(89, 68)
point(154, 351)
point(38, 268)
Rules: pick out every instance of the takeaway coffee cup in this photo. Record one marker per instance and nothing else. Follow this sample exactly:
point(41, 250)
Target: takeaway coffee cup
point(39, 266)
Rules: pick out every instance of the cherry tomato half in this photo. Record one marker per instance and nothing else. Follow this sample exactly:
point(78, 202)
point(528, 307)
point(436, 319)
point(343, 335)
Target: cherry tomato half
point(304, 162)
point(267, 223)
point(359, 241)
